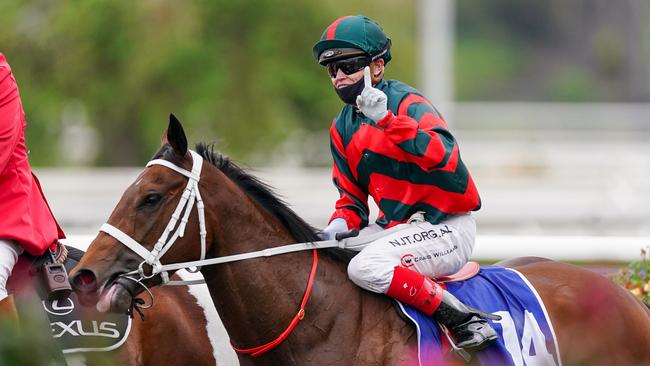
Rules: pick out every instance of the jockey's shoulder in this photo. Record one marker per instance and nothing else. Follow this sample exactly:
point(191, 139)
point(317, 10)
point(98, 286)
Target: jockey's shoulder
point(396, 84)
point(400, 89)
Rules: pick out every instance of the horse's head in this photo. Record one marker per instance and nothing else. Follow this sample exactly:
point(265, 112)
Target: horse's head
point(142, 215)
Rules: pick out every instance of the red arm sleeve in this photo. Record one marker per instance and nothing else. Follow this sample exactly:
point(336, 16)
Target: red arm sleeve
point(421, 134)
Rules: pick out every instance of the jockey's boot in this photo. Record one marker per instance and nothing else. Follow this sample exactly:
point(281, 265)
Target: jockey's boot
point(8, 312)
point(470, 331)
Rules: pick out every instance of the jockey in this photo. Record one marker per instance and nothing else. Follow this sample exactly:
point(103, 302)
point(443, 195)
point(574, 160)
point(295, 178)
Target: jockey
point(389, 142)
point(26, 222)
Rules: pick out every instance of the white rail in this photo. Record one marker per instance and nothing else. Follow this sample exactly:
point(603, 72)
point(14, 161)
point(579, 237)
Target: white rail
point(565, 248)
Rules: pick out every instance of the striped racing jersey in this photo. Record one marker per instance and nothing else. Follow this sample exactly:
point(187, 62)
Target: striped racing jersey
point(407, 162)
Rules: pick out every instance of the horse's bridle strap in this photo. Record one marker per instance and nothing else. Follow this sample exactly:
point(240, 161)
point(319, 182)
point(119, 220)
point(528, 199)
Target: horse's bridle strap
point(175, 227)
point(126, 240)
point(192, 175)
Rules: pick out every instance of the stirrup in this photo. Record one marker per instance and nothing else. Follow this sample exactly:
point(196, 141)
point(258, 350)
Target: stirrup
point(460, 352)
point(476, 327)
point(466, 352)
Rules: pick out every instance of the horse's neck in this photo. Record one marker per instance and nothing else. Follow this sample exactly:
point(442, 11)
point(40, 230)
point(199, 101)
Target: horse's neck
point(257, 298)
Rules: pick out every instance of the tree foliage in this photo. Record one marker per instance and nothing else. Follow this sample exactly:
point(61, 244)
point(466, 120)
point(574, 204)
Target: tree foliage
point(99, 77)
point(241, 71)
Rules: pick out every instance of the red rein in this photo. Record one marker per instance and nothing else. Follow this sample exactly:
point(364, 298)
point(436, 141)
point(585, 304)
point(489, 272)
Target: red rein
point(260, 350)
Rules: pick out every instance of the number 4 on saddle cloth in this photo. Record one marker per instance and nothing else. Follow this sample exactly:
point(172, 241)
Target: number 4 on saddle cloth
point(75, 327)
point(526, 336)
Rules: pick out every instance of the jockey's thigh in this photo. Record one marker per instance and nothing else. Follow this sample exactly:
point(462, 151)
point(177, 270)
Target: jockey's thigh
point(432, 250)
point(9, 252)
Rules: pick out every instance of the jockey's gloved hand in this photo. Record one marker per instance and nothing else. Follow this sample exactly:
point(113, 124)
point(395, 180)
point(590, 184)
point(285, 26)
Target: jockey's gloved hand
point(336, 226)
point(372, 102)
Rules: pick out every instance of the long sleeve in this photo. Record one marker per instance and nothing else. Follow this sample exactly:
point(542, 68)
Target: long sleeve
point(26, 217)
point(421, 134)
point(352, 205)
point(11, 115)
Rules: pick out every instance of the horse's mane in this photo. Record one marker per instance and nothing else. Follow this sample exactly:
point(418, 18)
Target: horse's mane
point(263, 194)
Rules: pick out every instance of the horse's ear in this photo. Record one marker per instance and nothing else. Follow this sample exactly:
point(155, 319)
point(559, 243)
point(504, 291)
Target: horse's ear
point(175, 136)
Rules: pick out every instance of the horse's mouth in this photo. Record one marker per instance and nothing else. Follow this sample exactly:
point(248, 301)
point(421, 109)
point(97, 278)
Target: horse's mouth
point(116, 295)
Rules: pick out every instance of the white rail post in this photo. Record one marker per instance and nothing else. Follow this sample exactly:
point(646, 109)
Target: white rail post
point(436, 39)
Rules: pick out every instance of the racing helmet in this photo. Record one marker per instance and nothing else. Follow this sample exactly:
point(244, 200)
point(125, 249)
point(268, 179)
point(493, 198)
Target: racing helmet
point(350, 36)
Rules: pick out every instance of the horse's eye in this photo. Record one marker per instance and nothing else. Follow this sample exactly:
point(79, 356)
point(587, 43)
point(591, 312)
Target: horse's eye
point(151, 199)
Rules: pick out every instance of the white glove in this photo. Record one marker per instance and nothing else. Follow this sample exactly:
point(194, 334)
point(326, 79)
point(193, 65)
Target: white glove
point(337, 225)
point(372, 102)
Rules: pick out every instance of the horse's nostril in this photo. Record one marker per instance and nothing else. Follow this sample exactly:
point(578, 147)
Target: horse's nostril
point(84, 280)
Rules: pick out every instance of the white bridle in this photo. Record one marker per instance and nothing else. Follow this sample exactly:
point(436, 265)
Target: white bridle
point(191, 195)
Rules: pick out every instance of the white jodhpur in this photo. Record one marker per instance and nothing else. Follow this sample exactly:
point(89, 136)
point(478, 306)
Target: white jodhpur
point(9, 252)
point(432, 250)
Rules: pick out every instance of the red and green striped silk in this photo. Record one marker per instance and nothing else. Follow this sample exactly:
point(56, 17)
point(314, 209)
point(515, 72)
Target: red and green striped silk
point(412, 164)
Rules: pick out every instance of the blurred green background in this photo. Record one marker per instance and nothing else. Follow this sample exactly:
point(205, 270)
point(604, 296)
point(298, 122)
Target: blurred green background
point(107, 73)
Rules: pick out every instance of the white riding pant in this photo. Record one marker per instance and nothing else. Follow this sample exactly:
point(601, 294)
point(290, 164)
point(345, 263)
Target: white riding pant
point(432, 250)
point(9, 252)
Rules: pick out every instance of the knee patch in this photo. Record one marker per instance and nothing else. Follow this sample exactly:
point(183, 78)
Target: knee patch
point(370, 274)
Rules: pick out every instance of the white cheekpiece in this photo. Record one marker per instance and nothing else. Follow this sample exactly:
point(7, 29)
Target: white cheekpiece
point(432, 250)
point(9, 252)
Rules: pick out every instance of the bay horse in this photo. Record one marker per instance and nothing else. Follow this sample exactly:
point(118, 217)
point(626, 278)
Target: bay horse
point(596, 322)
point(179, 314)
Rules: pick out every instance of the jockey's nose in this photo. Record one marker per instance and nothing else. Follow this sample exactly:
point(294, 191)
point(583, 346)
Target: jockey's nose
point(84, 281)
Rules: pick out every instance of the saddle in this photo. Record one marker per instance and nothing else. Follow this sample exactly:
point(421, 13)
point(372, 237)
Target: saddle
point(469, 270)
point(75, 327)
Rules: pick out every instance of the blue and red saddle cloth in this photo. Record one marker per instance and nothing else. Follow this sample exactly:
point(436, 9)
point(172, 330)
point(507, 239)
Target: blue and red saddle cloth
point(526, 336)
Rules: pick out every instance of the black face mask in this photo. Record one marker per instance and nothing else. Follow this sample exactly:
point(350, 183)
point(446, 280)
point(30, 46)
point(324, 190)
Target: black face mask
point(349, 93)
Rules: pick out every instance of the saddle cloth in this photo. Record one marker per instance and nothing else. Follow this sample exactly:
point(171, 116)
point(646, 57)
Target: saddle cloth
point(77, 328)
point(526, 336)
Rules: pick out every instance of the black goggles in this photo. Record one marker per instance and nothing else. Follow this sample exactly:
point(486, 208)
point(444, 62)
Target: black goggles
point(348, 65)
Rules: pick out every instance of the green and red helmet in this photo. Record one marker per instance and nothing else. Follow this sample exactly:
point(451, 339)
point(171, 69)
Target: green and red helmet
point(350, 36)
